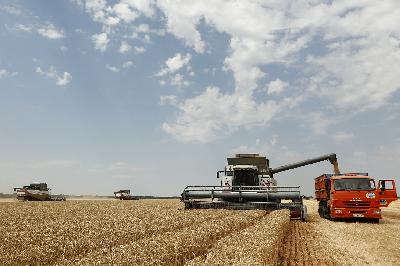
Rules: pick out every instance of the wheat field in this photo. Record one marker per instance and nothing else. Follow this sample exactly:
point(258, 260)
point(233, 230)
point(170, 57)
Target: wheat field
point(160, 232)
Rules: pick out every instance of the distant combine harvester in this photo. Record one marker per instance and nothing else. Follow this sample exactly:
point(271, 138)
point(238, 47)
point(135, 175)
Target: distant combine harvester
point(124, 194)
point(37, 192)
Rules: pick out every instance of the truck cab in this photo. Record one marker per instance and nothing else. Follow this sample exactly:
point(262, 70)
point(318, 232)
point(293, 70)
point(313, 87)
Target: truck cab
point(353, 195)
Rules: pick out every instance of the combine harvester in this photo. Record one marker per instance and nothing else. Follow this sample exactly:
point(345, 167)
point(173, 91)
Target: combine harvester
point(124, 194)
point(248, 183)
point(37, 192)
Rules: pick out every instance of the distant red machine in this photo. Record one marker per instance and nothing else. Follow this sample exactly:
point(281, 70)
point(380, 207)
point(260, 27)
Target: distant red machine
point(353, 195)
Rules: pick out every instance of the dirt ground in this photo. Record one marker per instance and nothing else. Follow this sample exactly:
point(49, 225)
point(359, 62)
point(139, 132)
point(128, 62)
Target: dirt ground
point(322, 242)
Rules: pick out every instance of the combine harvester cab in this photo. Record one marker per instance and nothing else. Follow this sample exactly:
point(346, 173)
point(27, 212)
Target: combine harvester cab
point(247, 183)
point(353, 195)
point(37, 192)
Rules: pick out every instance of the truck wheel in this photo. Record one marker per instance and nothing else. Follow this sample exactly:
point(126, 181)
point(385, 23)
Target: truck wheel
point(320, 212)
point(374, 220)
point(325, 209)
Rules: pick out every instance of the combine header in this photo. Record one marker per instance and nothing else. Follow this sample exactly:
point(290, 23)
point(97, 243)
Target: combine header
point(37, 192)
point(247, 183)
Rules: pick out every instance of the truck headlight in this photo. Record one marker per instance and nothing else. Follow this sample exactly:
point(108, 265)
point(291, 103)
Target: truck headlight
point(377, 211)
point(338, 211)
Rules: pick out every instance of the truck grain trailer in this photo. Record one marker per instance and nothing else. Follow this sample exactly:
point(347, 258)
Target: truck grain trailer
point(37, 192)
point(247, 182)
point(353, 195)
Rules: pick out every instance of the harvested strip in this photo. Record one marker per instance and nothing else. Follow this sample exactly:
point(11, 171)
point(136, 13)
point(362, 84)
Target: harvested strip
point(175, 248)
point(256, 245)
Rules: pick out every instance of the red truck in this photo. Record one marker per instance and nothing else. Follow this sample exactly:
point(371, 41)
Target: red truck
point(353, 195)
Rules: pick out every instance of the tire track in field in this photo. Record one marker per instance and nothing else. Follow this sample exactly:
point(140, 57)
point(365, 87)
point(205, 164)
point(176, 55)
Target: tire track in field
point(322, 242)
point(303, 247)
point(305, 244)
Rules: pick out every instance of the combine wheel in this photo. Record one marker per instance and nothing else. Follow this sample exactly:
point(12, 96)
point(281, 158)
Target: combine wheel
point(304, 213)
point(323, 210)
point(188, 205)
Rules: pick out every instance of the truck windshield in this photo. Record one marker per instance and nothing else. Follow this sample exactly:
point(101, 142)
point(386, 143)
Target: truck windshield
point(354, 184)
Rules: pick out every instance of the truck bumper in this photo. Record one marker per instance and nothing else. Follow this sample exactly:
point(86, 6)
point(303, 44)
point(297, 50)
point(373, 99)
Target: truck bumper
point(374, 213)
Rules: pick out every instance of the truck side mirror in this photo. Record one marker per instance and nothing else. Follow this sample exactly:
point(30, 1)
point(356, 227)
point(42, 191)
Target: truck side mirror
point(217, 174)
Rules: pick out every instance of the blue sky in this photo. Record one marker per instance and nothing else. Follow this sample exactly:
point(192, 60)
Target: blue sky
point(97, 96)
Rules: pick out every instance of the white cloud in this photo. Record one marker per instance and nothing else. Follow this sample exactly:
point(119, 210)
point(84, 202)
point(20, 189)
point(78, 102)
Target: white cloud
point(342, 136)
point(182, 21)
point(213, 114)
point(120, 176)
point(39, 164)
point(143, 28)
point(100, 41)
point(50, 31)
point(276, 87)
point(127, 64)
point(111, 21)
point(61, 80)
point(11, 9)
point(319, 123)
point(168, 99)
point(123, 11)
point(353, 66)
point(63, 48)
point(19, 27)
point(179, 81)
point(47, 30)
point(112, 68)
point(123, 166)
point(118, 16)
point(122, 170)
point(174, 64)
point(344, 53)
point(80, 31)
point(6, 73)
point(146, 38)
point(125, 47)
point(140, 49)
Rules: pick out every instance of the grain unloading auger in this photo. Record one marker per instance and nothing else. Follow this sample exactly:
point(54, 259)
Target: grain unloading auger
point(248, 183)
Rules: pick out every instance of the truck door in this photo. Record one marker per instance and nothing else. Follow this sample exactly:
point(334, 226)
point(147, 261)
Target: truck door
point(387, 192)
